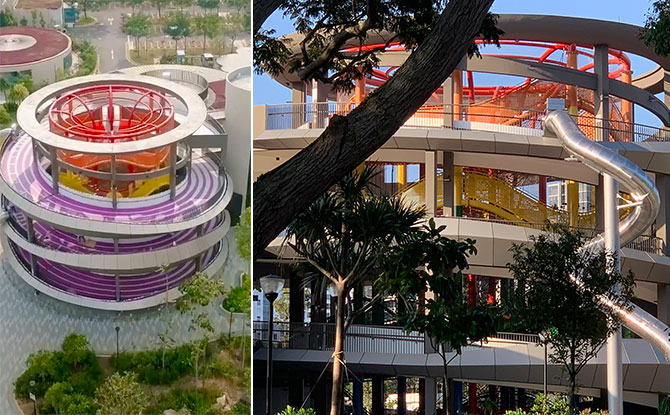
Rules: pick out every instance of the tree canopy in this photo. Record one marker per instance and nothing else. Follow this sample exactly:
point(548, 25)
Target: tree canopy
point(573, 317)
point(656, 32)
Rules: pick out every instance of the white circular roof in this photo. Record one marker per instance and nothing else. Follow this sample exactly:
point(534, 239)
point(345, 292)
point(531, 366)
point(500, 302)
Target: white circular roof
point(14, 42)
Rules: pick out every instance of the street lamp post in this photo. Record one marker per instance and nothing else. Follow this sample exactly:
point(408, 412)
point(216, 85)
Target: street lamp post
point(544, 365)
point(271, 286)
point(117, 328)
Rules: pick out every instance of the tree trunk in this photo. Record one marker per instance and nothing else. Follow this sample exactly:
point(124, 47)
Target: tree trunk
point(338, 355)
point(262, 10)
point(287, 190)
point(571, 394)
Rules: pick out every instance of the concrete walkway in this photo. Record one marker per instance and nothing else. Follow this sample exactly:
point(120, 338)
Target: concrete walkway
point(30, 322)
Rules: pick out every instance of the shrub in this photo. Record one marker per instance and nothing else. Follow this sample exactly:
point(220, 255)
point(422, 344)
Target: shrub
point(44, 368)
point(88, 57)
point(241, 408)
point(5, 118)
point(149, 365)
point(197, 401)
point(292, 411)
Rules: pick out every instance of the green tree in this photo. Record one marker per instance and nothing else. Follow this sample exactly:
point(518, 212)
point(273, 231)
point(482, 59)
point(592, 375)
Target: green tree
point(87, 5)
point(197, 293)
point(18, 93)
point(177, 26)
point(76, 350)
point(7, 18)
point(428, 261)
point(5, 118)
point(664, 406)
point(208, 5)
point(182, 4)
point(443, 33)
point(23, 21)
point(232, 25)
point(243, 235)
point(342, 235)
point(575, 319)
point(137, 26)
point(208, 26)
point(4, 86)
point(159, 5)
point(238, 301)
point(656, 32)
point(293, 411)
point(238, 5)
point(133, 4)
point(120, 395)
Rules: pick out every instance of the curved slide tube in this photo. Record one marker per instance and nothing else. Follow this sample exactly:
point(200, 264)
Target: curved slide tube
point(643, 192)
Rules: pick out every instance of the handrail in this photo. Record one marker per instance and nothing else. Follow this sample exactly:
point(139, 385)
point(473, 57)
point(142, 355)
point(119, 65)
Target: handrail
point(317, 114)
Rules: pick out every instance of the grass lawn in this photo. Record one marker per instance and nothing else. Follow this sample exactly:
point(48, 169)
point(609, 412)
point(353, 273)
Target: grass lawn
point(85, 21)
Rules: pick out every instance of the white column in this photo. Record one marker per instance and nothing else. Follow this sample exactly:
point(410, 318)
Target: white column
point(431, 183)
point(611, 219)
point(614, 346)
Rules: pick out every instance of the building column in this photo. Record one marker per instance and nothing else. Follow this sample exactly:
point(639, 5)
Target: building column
point(377, 394)
point(320, 92)
point(447, 102)
point(662, 226)
point(402, 395)
point(430, 396)
point(542, 189)
point(457, 397)
point(298, 98)
point(663, 302)
point(358, 396)
point(666, 89)
point(447, 182)
point(458, 190)
point(431, 183)
point(601, 98)
point(600, 204)
point(457, 100)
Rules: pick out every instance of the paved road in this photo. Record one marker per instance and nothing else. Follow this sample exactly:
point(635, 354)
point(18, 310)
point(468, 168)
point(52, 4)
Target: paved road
point(31, 321)
point(110, 41)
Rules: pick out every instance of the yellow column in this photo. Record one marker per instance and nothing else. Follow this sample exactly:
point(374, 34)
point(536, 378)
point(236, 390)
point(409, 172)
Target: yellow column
point(573, 202)
point(571, 58)
point(458, 191)
point(401, 172)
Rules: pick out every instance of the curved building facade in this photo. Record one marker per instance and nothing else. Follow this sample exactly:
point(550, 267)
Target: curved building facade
point(110, 204)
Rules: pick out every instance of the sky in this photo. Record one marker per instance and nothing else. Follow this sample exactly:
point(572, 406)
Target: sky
point(267, 91)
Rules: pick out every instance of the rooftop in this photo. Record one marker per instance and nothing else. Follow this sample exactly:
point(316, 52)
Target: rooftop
point(22, 45)
point(39, 4)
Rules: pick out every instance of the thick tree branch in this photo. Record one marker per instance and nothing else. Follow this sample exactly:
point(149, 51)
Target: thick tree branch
point(348, 141)
point(262, 10)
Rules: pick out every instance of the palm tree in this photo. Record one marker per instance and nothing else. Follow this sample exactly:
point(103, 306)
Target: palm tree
point(343, 235)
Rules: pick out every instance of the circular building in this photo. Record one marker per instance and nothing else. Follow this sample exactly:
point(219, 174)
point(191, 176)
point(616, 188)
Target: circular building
point(109, 204)
point(35, 51)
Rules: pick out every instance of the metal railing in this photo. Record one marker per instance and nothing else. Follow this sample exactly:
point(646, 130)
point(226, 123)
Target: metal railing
point(646, 243)
point(363, 338)
point(462, 117)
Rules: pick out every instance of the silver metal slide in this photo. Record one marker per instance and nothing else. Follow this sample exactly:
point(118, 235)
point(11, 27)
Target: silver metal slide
point(646, 202)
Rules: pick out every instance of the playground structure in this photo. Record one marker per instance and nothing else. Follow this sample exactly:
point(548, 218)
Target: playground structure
point(478, 149)
point(109, 205)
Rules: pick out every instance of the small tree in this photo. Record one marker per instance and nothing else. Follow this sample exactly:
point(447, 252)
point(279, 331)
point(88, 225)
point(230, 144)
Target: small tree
point(209, 5)
point(87, 5)
point(233, 24)
point(208, 26)
point(159, 5)
point(243, 235)
point(23, 21)
point(76, 350)
point(120, 395)
point(5, 118)
point(342, 235)
point(177, 26)
point(197, 293)
point(182, 4)
point(429, 261)
point(238, 300)
point(133, 3)
point(576, 320)
point(238, 5)
point(7, 18)
point(18, 93)
point(137, 26)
